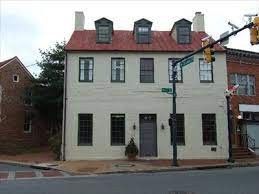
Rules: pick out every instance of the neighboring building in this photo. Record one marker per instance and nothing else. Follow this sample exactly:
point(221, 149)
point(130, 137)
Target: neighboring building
point(20, 127)
point(243, 69)
point(113, 81)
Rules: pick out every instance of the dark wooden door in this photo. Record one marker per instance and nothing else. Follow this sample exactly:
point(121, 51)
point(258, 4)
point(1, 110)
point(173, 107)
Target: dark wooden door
point(148, 135)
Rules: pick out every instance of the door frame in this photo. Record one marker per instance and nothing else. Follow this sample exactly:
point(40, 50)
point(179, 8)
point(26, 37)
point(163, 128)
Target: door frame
point(156, 147)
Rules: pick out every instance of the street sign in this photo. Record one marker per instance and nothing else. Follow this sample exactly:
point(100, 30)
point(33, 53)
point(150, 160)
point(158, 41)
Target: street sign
point(226, 41)
point(166, 90)
point(187, 61)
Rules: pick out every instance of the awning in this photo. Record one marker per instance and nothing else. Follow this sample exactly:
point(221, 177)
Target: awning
point(248, 108)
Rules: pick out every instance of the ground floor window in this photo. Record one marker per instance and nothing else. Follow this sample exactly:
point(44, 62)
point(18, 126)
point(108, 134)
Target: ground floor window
point(117, 129)
point(85, 129)
point(209, 129)
point(180, 130)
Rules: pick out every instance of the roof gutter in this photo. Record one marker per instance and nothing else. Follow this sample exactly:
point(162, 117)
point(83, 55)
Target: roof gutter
point(64, 111)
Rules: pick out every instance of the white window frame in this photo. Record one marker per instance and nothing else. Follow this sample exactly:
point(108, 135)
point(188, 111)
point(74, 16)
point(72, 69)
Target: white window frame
point(248, 84)
point(27, 123)
point(18, 79)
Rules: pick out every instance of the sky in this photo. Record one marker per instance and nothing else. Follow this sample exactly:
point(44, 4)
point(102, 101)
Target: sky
point(27, 26)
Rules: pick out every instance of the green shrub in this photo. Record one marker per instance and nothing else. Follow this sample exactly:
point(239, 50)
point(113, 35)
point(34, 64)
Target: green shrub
point(131, 148)
point(55, 142)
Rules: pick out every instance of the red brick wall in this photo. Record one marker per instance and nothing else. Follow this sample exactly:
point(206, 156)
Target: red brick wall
point(12, 136)
point(243, 65)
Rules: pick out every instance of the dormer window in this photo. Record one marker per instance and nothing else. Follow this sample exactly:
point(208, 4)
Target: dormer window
point(181, 31)
point(142, 31)
point(104, 29)
point(103, 34)
point(184, 35)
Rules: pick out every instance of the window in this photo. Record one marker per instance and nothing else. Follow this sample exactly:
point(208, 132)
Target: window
point(103, 34)
point(209, 129)
point(184, 35)
point(180, 131)
point(86, 66)
point(15, 78)
point(246, 83)
point(143, 34)
point(27, 122)
point(146, 70)
point(28, 97)
point(118, 70)
point(254, 116)
point(206, 71)
point(170, 70)
point(117, 129)
point(85, 129)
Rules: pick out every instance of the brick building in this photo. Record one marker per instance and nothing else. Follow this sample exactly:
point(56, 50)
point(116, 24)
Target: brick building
point(243, 69)
point(20, 126)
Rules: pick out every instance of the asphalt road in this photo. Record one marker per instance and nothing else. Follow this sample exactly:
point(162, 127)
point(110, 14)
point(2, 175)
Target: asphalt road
point(7, 167)
point(223, 181)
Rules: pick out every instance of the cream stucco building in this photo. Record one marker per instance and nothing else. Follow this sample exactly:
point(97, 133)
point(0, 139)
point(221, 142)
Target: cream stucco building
point(113, 92)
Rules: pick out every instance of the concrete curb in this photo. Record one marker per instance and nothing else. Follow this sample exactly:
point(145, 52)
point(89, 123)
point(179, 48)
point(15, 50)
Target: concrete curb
point(16, 163)
point(169, 169)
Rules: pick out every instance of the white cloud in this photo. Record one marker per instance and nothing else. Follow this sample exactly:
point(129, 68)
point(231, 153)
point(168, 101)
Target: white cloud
point(27, 26)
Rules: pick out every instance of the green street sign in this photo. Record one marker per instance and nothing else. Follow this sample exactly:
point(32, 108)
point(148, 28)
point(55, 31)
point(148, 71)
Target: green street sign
point(166, 90)
point(187, 61)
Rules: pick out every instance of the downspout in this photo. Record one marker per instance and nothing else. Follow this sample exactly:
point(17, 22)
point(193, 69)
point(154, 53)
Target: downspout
point(64, 111)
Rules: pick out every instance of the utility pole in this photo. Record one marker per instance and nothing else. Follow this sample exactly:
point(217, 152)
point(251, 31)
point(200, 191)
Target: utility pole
point(174, 123)
point(174, 67)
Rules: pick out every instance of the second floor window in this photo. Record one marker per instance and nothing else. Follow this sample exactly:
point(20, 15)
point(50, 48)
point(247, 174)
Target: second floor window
point(246, 83)
point(170, 71)
point(86, 66)
point(118, 70)
point(147, 70)
point(27, 122)
point(206, 71)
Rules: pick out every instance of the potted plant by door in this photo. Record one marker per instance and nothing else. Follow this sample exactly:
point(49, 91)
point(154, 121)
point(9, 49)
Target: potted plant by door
point(131, 150)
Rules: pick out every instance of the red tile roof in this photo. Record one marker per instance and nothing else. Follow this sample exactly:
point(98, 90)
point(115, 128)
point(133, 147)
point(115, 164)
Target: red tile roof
point(124, 41)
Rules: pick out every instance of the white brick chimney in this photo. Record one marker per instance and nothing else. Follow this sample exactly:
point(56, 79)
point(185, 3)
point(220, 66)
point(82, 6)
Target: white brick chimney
point(198, 22)
point(79, 20)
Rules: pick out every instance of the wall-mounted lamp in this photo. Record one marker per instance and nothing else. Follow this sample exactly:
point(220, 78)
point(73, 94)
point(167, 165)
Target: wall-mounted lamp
point(239, 117)
point(162, 126)
point(134, 126)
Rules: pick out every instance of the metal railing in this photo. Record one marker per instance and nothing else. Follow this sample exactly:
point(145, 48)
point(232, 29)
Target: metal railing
point(248, 142)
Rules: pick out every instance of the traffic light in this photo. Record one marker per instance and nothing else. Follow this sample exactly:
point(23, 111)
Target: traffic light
point(208, 52)
point(254, 32)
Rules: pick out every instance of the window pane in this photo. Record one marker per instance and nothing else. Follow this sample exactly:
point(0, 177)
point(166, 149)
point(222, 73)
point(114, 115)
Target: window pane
point(86, 69)
point(206, 71)
point(117, 129)
point(180, 130)
point(118, 66)
point(146, 70)
point(103, 33)
point(85, 129)
point(209, 129)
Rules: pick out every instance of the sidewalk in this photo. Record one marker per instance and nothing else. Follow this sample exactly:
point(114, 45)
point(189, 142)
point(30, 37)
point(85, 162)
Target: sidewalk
point(125, 166)
point(45, 160)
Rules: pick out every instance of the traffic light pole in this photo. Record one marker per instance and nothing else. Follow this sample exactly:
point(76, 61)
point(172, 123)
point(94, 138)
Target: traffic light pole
point(174, 67)
point(174, 127)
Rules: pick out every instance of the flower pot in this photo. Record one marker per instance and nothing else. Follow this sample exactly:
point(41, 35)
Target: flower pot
point(131, 157)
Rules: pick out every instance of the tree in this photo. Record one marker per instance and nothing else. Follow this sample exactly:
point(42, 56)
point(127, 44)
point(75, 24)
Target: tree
point(47, 89)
